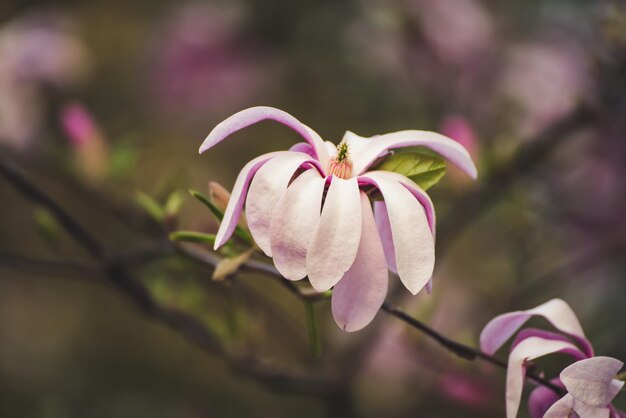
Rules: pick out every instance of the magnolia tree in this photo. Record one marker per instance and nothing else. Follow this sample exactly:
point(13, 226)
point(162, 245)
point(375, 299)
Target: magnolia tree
point(343, 227)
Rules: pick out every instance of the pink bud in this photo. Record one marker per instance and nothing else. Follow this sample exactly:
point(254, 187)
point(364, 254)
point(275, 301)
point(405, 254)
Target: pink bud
point(78, 124)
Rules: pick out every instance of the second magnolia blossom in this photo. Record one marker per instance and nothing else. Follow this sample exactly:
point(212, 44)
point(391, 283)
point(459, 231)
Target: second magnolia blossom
point(309, 209)
point(590, 381)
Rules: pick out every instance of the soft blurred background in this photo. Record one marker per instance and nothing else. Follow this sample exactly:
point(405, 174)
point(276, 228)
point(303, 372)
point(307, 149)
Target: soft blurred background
point(104, 104)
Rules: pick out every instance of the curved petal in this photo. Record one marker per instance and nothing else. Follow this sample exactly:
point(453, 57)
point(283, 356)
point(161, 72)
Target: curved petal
point(556, 311)
point(561, 408)
point(412, 239)
point(267, 186)
point(360, 293)
point(256, 114)
point(441, 144)
point(593, 380)
point(238, 196)
point(541, 399)
point(529, 349)
point(294, 222)
point(304, 148)
point(384, 231)
point(416, 191)
point(546, 335)
point(336, 239)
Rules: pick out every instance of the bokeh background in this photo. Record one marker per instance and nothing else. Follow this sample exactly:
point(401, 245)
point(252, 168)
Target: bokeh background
point(100, 100)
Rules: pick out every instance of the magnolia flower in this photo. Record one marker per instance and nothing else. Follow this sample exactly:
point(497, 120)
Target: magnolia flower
point(591, 387)
point(590, 381)
point(308, 208)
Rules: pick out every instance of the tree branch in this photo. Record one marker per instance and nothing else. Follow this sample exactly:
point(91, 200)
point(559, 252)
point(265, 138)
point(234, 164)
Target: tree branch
point(273, 377)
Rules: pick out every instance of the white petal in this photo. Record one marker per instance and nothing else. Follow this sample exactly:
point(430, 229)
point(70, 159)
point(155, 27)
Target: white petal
point(556, 311)
point(529, 349)
point(384, 230)
point(412, 238)
point(257, 114)
point(336, 240)
point(361, 291)
point(238, 196)
point(591, 380)
point(561, 408)
point(294, 222)
point(441, 144)
point(267, 187)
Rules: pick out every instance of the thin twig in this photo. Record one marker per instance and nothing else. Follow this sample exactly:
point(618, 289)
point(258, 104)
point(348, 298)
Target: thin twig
point(193, 329)
point(460, 349)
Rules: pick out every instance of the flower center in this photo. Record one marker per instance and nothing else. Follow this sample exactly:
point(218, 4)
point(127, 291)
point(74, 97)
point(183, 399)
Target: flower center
point(341, 165)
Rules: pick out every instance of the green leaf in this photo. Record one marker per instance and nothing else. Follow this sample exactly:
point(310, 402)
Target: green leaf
point(192, 236)
point(174, 203)
point(202, 198)
point(151, 206)
point(424, 168)
point(239, 231)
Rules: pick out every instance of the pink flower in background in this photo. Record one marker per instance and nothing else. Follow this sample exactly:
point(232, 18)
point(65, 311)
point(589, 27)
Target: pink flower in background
point(589, 381)
point(40, 49)
point(545, 80)
point(460, 129)
point(458, 30)
point(88, 143)
point(204, 60)
point(309, 210)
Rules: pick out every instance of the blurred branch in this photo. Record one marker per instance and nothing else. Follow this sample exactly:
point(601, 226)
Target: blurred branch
point(193, 329)
point(48, 267)
point(476, 202)
point(469, 208)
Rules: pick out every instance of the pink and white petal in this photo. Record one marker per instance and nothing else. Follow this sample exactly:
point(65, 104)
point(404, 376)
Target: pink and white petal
point(562, 408)
point(587, 411)
point(556, 311)
point(267, 186)
point(238, 196)
point(256, 114)
point(304, 148)
point(592, 380)
point(416, 191)
point(616, 413)
point(546, 335)
point(412, 239)
point(355, 142)
point(529, 349)
point(441, 144)
point(429, 286)
point(360, 293)
point(294, 222)
point(336, 240)
point(384, 231)
point(541, 399)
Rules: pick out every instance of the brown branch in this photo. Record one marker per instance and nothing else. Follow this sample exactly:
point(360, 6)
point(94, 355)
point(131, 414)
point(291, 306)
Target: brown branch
point(272, 376)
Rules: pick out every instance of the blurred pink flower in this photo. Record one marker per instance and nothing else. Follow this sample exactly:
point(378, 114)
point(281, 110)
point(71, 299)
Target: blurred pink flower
point(459, 129)
point(458, 30)
point(37, 50)
point(465, 390)
point(205, 61)
point(545, 80)
point(88, 143)
point(591, 389)
point(337, 240)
